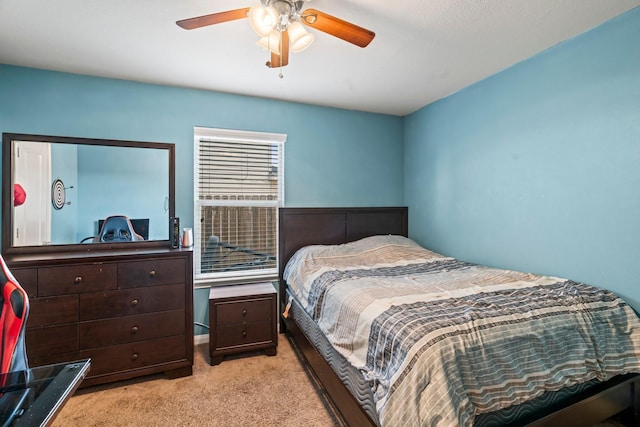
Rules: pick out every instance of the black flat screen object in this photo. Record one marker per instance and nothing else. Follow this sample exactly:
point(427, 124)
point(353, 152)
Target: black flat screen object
point(174, 231)
point(14, 391)
point(140, 226)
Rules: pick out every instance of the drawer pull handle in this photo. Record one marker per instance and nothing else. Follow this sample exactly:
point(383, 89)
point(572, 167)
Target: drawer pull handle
point(244, 334)
point(244, 312)
point(77, 280)
point(134, 302)
point(134, 356)
point(152, 273)
point(134, 330)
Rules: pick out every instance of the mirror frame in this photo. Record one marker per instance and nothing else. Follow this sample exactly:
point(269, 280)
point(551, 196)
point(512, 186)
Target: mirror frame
point(7, 202)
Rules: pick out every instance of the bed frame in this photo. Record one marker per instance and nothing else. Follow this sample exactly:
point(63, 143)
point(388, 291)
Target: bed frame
point(305, 226)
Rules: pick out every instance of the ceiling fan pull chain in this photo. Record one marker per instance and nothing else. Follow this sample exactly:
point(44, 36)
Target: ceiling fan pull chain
point(281, 41)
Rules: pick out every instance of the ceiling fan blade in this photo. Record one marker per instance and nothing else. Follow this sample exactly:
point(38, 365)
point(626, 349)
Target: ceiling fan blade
point(337, 27)
point(214, 18)
point(281, 60)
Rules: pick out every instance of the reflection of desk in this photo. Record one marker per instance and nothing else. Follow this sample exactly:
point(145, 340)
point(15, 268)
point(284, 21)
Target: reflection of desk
point(35, 396)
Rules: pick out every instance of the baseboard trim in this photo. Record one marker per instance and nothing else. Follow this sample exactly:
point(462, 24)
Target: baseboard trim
point(200, 339)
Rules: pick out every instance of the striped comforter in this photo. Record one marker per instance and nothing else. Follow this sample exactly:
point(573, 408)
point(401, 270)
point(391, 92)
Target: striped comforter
point(442, 340)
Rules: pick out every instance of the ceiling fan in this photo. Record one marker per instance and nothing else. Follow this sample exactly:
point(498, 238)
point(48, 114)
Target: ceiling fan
point(279, 25)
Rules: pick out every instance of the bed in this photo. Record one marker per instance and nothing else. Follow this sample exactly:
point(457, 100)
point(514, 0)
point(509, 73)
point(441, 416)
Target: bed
point(370, 394)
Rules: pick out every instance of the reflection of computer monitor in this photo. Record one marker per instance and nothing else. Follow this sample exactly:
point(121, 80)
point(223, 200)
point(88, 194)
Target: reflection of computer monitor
point(140, 226)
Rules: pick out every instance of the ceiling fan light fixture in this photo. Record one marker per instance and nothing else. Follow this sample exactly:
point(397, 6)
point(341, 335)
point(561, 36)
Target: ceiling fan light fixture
point(299, 38)
point(280, 25)
point(271, 42)
point(263, 19)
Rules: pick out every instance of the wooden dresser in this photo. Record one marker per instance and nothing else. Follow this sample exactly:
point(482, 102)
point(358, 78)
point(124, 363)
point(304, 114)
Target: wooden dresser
point(130, 311)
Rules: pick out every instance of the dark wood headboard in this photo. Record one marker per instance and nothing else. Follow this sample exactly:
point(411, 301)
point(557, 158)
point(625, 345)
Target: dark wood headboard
point(331, 226)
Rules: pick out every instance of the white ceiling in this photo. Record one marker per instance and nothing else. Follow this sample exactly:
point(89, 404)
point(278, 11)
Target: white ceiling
point(423, 50)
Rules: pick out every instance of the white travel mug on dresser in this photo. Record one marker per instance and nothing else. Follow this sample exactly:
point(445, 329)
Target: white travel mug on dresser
point(187, 238)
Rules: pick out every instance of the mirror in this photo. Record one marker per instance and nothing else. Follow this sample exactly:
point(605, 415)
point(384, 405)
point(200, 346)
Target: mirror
point(57, 192)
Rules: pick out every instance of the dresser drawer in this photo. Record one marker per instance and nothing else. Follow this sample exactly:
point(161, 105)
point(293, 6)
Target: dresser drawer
point(52, 340)
point(135, 274)
point(136, 355)
point(28, 279)
point(243, 335)
point(52, 311)
point(75, 279)
point(243, 311)
point(129, 302)
point(102, 333)
point(50, 359)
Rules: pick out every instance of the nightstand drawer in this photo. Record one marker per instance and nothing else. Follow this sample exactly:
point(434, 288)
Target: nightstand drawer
point(244, 311)
point(239, 335)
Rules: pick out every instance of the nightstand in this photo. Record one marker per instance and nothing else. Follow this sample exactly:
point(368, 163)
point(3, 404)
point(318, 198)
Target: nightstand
point(242, 318)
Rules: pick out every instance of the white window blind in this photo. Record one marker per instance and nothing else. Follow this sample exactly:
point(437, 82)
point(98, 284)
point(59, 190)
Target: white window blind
point(238, 187)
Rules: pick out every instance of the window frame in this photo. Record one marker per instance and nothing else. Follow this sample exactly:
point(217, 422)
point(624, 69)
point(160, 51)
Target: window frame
point(233, 136)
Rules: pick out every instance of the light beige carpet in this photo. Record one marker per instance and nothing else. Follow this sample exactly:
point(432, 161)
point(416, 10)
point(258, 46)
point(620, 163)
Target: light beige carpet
point(246, 391)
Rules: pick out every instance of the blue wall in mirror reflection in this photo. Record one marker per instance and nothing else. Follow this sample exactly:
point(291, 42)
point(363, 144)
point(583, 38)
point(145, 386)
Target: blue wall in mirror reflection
point(109, 181)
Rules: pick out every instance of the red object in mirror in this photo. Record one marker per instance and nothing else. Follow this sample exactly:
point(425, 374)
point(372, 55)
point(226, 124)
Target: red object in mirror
point(19, 195)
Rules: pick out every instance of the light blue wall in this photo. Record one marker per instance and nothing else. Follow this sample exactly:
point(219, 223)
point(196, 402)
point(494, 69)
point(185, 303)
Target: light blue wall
point(132, 174)
point(102, 181)
point(64, 166)
point(332, 157)
point(537, 168)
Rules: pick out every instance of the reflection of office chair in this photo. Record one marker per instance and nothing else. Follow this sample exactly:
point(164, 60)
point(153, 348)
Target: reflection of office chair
point(117, 228)
point(14, 309)
point(140, 226)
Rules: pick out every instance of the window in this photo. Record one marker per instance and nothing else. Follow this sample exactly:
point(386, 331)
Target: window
point(239, 185)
